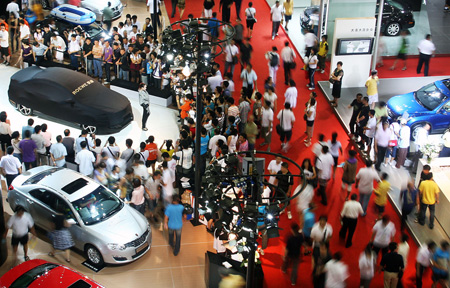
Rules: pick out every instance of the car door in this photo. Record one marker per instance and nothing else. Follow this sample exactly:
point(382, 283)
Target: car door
point(41, 210)
point(441, 120)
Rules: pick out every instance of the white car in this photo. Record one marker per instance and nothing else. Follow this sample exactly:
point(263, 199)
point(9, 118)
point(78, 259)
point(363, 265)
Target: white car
point(95, 6)
point(103, 226)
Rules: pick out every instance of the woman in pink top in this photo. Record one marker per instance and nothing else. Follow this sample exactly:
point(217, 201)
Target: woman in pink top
point(137, 196)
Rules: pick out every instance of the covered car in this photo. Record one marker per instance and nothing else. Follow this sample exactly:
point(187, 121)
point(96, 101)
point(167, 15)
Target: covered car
point(40, 273)
point(70, 96)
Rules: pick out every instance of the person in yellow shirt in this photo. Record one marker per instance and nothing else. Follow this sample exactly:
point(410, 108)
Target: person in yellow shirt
point(429, 195)
point(372, 88)
point(381, 194)
point(288, 10)
point(322, 54)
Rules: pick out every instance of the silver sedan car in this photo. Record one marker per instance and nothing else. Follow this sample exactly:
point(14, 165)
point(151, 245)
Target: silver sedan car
point(105, 228)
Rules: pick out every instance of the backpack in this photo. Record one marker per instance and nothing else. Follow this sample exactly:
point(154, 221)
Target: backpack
point(274, 61)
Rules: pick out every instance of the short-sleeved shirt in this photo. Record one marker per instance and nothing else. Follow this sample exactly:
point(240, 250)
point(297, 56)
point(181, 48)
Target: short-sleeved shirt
point(20, 225)
point(152, 149)
point(58, 150)
point(366, 176)
point(10, 164)
point(383, 234)
point(248, 78)
point(286, 118)
point(88, 48)
point(392, 262)
point(381, 192)
point(294, 245)
point(204, 144)
point(442, 258)
point(185, 157)
point(267, 117)
point(84, 159)
point(251, 130)
point(356, 106)
point(28, 146)
point(285, 180)
point(429, 189)
point(175, 214)
point(372, 86)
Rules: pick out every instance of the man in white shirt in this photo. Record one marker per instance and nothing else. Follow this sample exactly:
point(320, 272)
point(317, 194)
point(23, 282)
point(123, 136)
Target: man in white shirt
point(84, 137)
point(10, 166)
point(167, 184)
point(213, 141)
point(85, 160)
point(349, 215)
point(288, 57)
point(336, 272)
point(58, 44)
point(403, 143)
point(324, 163)
point(273, 168)
point(423, 259)
point(21, 223)
point(310, 42)
point(249, 80)
point(13, 7)
point(369, 131)
point(382, 137)
point(321, 232)
point(290, 96)
point(276, 15)
point(383, 233)
point(266, 124)
point(231, 51)
point(58, 152)
point(364, 181)
point(421, 138)
point(24, 31)
point(74, 51)
point(287, 119)
point(4, 44)
point(426, 51)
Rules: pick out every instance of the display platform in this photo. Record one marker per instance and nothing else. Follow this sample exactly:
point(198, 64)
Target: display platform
point(386, 89)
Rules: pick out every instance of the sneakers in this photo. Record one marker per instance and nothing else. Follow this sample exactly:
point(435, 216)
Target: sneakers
point(404, 68)
point(273, 37)
point(289, 215)
point(7, 63)
point(312, 88)
point(323, 71)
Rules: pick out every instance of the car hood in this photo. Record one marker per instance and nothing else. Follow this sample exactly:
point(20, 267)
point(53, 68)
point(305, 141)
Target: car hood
point(125, 226)
point(99, 4)
point(406, 103)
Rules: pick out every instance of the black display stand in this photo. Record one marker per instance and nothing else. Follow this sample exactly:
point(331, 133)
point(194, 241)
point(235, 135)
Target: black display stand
point(3, 251)
point(214, 261)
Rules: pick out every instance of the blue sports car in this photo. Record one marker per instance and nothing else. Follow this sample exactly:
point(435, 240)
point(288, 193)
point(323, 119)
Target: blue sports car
point(430, 104)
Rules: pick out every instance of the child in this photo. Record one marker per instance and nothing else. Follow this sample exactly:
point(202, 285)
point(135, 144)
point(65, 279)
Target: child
point(381, 194)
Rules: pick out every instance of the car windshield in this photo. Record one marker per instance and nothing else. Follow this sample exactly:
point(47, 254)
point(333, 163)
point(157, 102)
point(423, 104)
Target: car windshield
point(395, 4)
point(97, 206)
point(93, 30)
point(429, 96)
point(28, 277)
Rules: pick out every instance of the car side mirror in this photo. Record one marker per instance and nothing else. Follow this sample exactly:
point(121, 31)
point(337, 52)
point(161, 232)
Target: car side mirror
point(71, 221)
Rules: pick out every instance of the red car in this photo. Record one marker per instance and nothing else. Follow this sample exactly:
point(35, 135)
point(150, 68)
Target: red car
point(40, 273)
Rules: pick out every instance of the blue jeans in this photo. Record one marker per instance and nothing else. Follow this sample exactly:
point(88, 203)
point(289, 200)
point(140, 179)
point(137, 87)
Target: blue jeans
point(275, 27)
point(18, 156)
point(176, 248)
point(364, 200)
point(124, 74)
point(89, 66)
point(74, 60)
point(311, 77)
point(229, 66)
point(98, 71)
point(423, 210)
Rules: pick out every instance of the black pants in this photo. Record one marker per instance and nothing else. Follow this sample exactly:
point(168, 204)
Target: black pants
point(287, 71)
point(308, 51)
point(226, 14)
point(145, 115)
point(108, 25)
point(380, 156)
point(39, 60)
point(348, 224)
point(9, 179)
point(323, 191)
point(108, 71)
point(377, 249)
point(353, 123)
point(238, 4)
point(423, 58)
point(419, 274)
point(174, 8)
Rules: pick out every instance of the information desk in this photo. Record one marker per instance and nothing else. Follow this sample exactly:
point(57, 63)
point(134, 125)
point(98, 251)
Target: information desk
point(441, 175)
point(213, 263)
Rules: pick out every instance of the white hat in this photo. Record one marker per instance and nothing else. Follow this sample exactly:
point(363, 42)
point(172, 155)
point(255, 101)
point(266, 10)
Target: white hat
point(403, 121)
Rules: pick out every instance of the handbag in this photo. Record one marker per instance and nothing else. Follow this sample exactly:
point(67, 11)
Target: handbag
point(392, 143)
point(179, 167)
point(292, 65)
point(278, 128)
point(331, 80)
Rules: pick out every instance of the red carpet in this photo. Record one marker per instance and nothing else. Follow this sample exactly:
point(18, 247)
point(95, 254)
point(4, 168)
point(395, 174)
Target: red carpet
point(327, 123)
point(437, 68)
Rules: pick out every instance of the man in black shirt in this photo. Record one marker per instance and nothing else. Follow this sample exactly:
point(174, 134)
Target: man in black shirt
point(69, 143)
point(148, 27)
point(246, 53)
point(362, 118)
point(294, 244)
point(357, 105)
point(87, 53)
point(392, 264)
point(140, 43)
point(284, 181)
point(225, 5)
point(47, 37)
point(124, 65)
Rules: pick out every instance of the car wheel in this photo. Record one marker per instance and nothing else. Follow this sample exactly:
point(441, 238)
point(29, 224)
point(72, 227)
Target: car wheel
point(89, 129)
point(24, 110)
point(393, 29)
point(94, 255)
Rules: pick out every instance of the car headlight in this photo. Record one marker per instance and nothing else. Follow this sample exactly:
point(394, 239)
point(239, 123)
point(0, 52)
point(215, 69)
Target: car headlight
point(114, 246)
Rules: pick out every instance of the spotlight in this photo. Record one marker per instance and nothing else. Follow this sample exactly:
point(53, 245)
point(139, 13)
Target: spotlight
point(186, 71)
point(269, 216)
